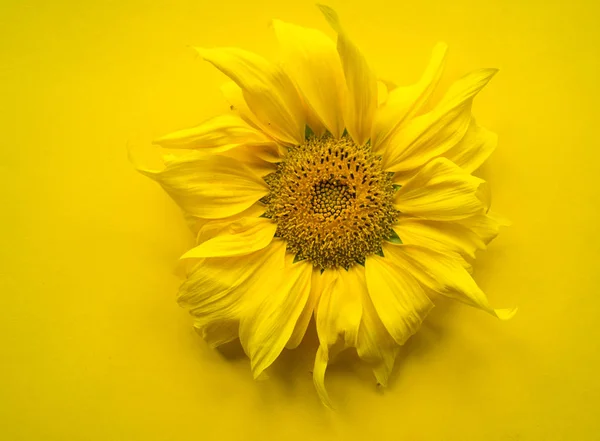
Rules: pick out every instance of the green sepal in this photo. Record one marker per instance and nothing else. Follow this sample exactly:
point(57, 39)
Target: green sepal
point(394, 238)
point(345, 133)
point(361, 262)
point(308, 132)
point(322, 271)
point(396, 187)
point(297, 258)
point(380, 252)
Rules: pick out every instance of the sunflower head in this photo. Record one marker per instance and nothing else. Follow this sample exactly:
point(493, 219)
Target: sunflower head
point(332, 202)
point(311, 198)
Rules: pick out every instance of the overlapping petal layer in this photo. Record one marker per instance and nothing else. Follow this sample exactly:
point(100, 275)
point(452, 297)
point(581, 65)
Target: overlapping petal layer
point(241, 281)
point(440, 191)
point(211, 187)
point(311, 60)
point(267, 90)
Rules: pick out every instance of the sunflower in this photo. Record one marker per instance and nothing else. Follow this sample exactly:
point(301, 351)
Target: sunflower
point(315, 197)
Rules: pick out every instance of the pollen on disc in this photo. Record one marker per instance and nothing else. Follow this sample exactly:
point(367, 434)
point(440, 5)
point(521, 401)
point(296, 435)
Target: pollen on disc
point(332, 202)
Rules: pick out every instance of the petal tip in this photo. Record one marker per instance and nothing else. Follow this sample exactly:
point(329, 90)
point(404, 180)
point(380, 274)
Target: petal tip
point(194, 253)
point(201, 51)
point(257, 369)
point(331, 16)
point(490, 72)
point(161, 140)
point(321, 361)
point(506, 313)
point(260, 375)
point(275, 24)
point(134, 156)
point(441, 47)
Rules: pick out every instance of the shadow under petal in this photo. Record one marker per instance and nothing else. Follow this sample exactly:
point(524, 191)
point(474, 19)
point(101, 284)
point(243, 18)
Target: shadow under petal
point(232, 351)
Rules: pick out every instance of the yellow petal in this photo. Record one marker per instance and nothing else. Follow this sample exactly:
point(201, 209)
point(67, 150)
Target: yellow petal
point(382, 96)
point(206, 229)
point(475, 147)
point(212, 187)
point(340, 308)
point(210, 228)
point(315, 293)
point(311, 60)
point(268, 91)
point(439, 236)
point(338, 317)
point(313, 122)
point(374, 344)
point(404, 102)
point(361, 82)
point(388, 84)
point(484, 193)
point(325, 283)
point(243, 236)
point(222, 288)
point(397, 297)
point(235, 97)
point(440, 191)
point(219, 332)
point(443, 274)
point(321, 362)
point(216, 135)
point(194, 223)
point(254, 159)
point(432, 134)
point(486, 226)
point(266, 330)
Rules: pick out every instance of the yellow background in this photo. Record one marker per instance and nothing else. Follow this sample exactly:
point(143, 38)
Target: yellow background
point(93, 346)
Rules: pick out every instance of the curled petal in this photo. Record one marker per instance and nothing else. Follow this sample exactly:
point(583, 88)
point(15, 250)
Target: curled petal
point(399, 300)
point(267, 328)
point(311, 60)
point(486, 226)
point(212, 187)
point(375, 345)
point(404, 102)
point(209, 228)
point(321, 362)
point(338, 318)
point(361, 82)
point(219, 332)
point(443, 274)
point(339, 310)
point(439, 236)
point(234, 95)
point(218, 288)
point(474, 148)
point(268, 91)
point(243, 236)
point(216, 135)
point(316, 288)
point(440, 191)
point(432, 134)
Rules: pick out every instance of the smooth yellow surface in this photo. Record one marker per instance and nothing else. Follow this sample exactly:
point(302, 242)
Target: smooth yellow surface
point(94, 346)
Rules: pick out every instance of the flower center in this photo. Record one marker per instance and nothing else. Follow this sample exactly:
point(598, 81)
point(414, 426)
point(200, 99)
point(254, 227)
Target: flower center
point(332, 202)
point(331, 197)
